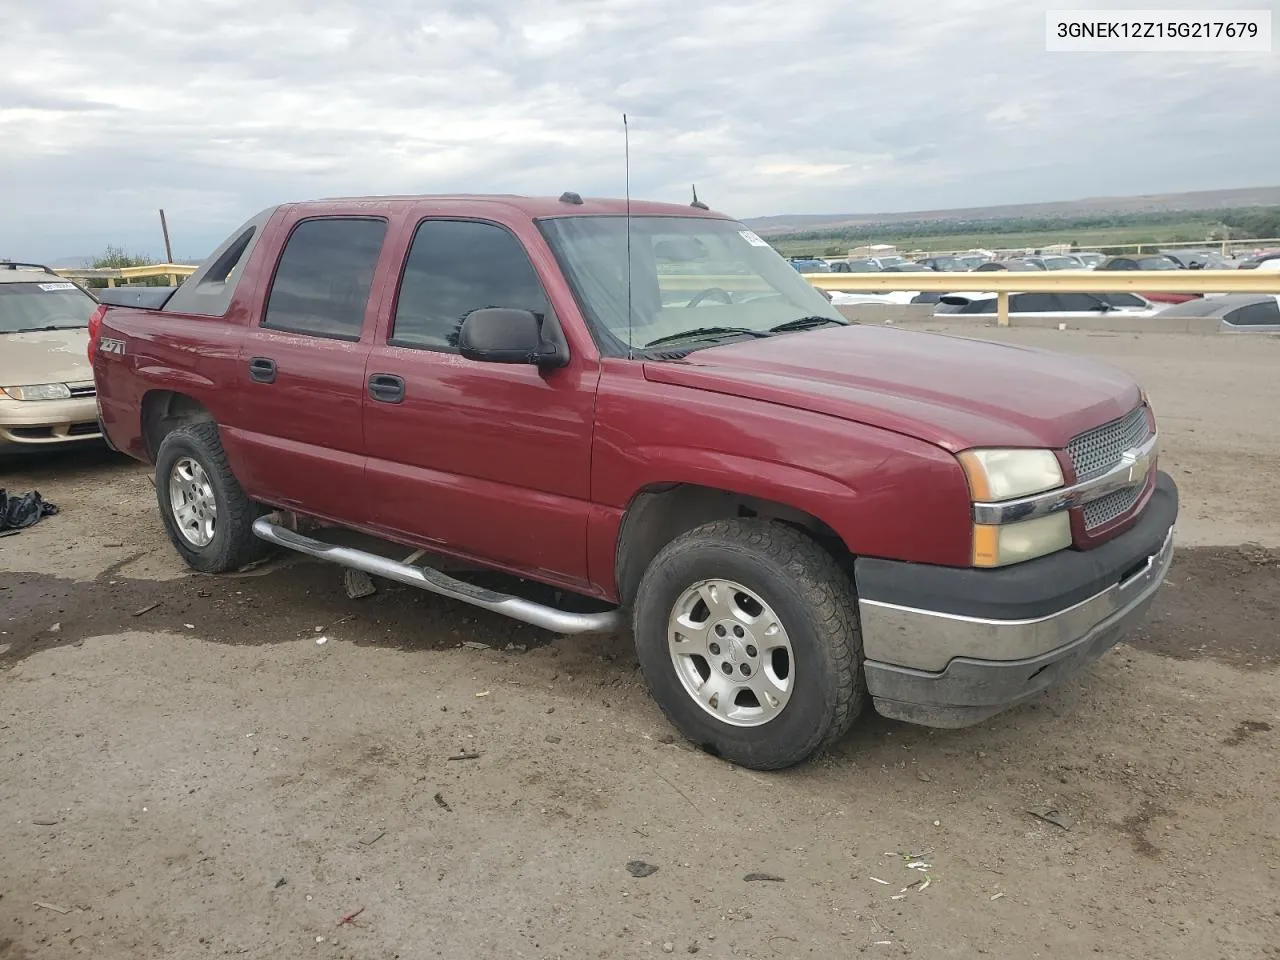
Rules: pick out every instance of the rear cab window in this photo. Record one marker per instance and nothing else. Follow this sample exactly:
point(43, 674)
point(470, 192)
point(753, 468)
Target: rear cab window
point(323, 279)
point(209, 291)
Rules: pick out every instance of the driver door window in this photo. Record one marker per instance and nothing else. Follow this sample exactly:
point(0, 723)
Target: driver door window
point(455, 267)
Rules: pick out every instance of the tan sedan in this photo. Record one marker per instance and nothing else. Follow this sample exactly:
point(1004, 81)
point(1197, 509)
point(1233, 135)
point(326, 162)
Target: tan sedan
point(47, 397)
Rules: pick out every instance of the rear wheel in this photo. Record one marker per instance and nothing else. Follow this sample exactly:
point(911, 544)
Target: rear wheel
point(747, 635)
point(207, 516)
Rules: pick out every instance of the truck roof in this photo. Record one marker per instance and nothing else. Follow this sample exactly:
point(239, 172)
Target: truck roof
point(530, 206)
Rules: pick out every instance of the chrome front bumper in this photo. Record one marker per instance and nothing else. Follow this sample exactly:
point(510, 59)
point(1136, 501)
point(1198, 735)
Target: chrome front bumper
point(950, 669)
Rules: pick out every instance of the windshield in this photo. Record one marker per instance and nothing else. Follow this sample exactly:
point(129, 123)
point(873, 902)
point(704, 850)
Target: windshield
point(1060, 263)
point(55, 304)
point(687, 274)
point(1157, 263)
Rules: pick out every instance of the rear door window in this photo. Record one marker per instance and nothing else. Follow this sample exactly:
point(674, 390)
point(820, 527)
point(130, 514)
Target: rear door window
point(321, 286)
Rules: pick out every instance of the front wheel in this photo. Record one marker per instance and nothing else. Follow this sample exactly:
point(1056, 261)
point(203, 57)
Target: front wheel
point(747, 635)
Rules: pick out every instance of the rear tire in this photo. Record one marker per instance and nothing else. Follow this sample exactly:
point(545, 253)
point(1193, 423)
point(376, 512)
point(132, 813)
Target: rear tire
point(747, 635)
point(206, 514)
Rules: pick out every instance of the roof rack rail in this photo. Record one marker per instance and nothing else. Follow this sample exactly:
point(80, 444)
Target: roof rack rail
point(19, 265)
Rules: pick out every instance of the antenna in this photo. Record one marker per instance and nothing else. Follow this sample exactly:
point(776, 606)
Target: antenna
point(696, 202)
point(626, 149)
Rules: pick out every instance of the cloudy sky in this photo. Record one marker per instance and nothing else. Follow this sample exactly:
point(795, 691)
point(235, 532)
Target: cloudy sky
point(213, 110)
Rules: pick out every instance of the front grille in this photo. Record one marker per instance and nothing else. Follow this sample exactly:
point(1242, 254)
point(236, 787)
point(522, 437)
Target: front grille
point(82, 389)
point(1098, 450)
point(83, 429)
point(1111, 507)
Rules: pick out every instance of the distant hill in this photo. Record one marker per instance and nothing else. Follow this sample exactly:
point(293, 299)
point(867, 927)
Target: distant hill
point(1198, 201)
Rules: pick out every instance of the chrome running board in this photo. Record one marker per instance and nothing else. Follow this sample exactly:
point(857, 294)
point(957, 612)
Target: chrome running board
point(424, 578)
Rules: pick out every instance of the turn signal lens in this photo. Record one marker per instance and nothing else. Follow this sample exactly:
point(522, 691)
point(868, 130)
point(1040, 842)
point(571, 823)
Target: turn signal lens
point(1003, 544)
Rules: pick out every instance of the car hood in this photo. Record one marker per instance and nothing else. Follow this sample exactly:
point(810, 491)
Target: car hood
point(950, 391)
point(51, 356)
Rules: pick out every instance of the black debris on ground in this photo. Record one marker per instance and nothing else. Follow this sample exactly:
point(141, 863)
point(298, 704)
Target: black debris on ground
point(17, 512)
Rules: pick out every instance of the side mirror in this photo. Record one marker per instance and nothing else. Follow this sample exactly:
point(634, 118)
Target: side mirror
point(502, 335)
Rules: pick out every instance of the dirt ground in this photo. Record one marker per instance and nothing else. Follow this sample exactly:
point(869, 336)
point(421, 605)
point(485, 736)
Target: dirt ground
point(186, 770)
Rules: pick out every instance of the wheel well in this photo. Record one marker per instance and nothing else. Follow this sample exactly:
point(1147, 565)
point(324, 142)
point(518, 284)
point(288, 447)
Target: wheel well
point(164, 411)
point(658, 515)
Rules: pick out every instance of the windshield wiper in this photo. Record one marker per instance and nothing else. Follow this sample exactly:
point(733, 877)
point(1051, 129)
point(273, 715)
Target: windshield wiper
point(805, 323)
point(707, 333)
point(46, 329)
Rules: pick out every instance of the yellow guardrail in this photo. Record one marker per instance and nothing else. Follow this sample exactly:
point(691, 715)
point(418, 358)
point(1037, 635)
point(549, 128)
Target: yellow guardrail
point(1004, 282)
point(111, 274)
point(1227, 248)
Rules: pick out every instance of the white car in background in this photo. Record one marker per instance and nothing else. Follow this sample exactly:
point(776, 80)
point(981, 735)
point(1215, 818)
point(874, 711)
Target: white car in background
point(843, 298)
point(47, 396)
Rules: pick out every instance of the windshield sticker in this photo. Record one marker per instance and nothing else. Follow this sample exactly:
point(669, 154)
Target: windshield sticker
point(752, 239)
point(50, 287)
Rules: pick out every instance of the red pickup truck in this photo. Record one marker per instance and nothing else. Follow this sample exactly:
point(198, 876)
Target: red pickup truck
point(653, 411)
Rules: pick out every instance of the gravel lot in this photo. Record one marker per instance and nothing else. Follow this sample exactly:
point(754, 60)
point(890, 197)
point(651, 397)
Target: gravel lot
point(207, 779)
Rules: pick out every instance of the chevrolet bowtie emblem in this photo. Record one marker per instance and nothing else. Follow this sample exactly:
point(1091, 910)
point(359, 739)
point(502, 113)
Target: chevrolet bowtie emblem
point(1139, 464)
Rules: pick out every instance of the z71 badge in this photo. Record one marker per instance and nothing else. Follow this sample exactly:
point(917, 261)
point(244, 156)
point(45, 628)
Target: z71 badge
point(109, 345)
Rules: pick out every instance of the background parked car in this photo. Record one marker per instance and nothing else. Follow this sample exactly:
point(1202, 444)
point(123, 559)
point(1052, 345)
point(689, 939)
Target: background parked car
point(947, 264)
point(1015, 263)
point(861, 265)
point(1200, 259)
point(1266, 261)
point(47, 396)
point(1237, 311)
point(1089, 259)
point(1063, 306)
point(1150, 261)
point(810, 265)
point(1055, 262)
point(1141, 261)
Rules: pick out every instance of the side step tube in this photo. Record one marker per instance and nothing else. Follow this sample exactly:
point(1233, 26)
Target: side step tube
point(424, 578)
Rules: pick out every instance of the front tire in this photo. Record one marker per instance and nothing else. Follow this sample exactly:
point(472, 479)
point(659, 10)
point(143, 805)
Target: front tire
point(747, 635)
point(206, 514)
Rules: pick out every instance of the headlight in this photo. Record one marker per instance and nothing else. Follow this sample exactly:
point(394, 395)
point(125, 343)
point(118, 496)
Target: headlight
point(998, 475)
point(39, 391)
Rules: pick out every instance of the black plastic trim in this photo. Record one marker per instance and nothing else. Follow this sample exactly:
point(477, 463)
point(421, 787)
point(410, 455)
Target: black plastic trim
point(1026, 591)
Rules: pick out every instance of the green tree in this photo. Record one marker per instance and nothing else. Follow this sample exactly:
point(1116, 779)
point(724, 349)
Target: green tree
point(114, 258)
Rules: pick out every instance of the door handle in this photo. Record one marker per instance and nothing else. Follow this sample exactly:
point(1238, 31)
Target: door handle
point(262, 370)
point(386, 388)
